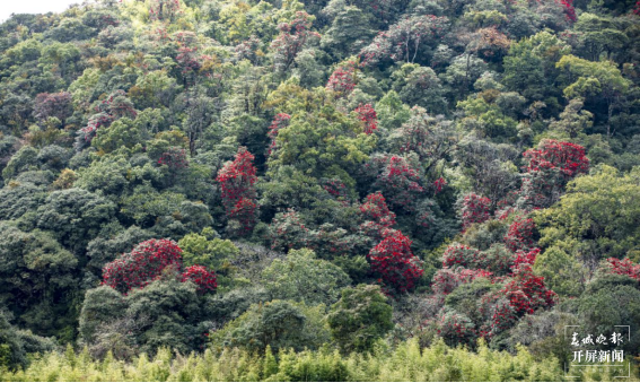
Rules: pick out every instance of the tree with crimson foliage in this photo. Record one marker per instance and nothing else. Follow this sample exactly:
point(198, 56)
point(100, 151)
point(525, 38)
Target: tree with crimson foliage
point(368, 116)
point(520, 234)
point(550, 167)
point(343, 79)
point(237, 180)
point(474, 209)
point(567, 157)
point(147, 262)
point(528, 257)
point(292, 39)
point(377, 215)
point(537, 295)
point(398, 179)
point(622, 267)
point(394, 261)
point(522, 294)
point(201, 277)
point(570, 12)
point(142, 265)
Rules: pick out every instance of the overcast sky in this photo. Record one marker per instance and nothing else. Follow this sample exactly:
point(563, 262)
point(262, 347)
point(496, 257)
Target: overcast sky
point(7, 7)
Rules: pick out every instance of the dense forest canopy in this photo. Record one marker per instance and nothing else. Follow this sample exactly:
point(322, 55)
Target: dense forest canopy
point(341, 176)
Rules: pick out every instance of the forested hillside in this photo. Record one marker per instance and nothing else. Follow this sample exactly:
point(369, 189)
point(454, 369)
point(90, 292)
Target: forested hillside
point(340, 183)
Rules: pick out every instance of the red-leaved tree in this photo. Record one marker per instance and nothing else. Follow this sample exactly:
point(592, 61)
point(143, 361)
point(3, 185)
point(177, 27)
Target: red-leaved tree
point(569, 11)
point(147, 262)
point(394, 261)
point(368, 116)
point(549, 169)
point(398, 180)
point(375, 209)
point(377, 216)
point(142, 265)
point(523, 294)
point(343, 79)
point(291, 40)
point(237, 180)
point(201, 277)
point(520, 234)
point(533, 288)
point(622, 267)
point(474, 209)
point(523, 257)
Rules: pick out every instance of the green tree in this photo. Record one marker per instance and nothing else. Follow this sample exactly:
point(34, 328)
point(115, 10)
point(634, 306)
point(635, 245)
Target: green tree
point(607, 301)
point(302, 277)
point(417, 85)
point(166, 313)
point(39, 281)
point(596, 218)
point(16, 345)
point(530, 65)
point(573, 120)
point(562, 273)
point(277, 324)
point(360, 317)
point(75, 216)
point(350, 28)
point(601, 79)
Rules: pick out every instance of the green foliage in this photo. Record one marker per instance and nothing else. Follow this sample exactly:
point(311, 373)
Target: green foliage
point(22, 160)
point(214, 253)
point(562, 272)
point(529, 66)
point(301, 277)
point(360, 318)
point(165, 313)
point(278, 324)
point(599, 315)
point(122, 133)
point(321, 143)
point(594, 220)
point(75, 216)
point(39, 278)
point(200, 249)
point(117, 120)
point(16, 344)
point(407, 363)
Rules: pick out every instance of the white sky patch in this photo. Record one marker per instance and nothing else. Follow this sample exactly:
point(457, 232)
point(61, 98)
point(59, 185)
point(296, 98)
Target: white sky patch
point(7, 7)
